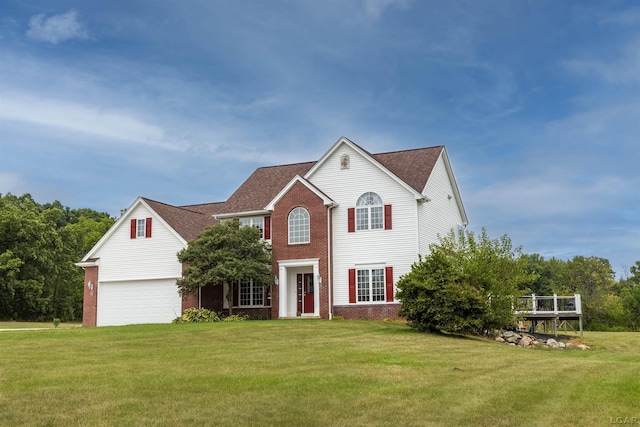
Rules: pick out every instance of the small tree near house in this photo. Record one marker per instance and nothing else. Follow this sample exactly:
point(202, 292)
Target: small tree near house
point(223, 254)
point(465, 285)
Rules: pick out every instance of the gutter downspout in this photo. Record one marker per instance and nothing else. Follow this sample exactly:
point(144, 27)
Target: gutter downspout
point(329, 258)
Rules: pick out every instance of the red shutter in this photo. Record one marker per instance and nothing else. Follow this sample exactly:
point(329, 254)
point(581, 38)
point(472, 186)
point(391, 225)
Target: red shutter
point(134, 228)
point(267, 228)
point(389, 283)
point(387, 217)
point(352, 285)
point(351, 219)
point(147, 228)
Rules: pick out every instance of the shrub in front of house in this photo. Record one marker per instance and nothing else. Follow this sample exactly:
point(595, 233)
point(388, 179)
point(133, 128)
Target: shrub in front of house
point(197, 315)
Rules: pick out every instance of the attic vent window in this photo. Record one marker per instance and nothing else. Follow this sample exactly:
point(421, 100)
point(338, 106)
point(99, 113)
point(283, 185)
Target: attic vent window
point(344, 161)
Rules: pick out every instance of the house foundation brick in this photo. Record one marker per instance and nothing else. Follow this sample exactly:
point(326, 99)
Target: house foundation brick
point(369, 311)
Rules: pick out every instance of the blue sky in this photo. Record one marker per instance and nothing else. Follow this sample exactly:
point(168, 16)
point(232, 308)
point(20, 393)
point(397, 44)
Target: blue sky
point(537, 102)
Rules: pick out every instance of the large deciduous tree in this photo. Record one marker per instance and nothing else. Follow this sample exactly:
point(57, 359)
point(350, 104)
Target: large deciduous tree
point(39, 245)
point(465, 285)
point(223, 254)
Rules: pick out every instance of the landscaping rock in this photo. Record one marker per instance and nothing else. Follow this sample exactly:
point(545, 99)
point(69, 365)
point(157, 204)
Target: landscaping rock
point(526, 341)
point(529, 341)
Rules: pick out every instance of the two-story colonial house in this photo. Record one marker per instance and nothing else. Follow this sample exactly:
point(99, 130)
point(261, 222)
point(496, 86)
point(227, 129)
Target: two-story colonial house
point(343, 229)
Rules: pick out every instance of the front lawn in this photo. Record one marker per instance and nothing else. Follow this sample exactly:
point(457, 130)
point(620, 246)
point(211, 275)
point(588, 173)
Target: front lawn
point(307, 373)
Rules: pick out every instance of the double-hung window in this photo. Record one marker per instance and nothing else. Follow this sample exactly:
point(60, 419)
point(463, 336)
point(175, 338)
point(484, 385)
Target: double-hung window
point(250, 294)
point(141, 227)
point(255, 222)
point(370, 285)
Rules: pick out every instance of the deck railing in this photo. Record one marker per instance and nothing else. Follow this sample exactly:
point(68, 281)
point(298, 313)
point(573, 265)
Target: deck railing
point(547, 305)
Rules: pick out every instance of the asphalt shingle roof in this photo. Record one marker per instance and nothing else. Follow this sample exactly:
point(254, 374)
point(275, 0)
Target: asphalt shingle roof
point(411, 166)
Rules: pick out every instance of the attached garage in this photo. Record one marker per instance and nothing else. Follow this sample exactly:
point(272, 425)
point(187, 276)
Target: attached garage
point(139, 301)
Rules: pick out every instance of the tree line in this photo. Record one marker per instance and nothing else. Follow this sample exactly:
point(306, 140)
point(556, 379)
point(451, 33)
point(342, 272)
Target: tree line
point(39, 246)
point(468, 284)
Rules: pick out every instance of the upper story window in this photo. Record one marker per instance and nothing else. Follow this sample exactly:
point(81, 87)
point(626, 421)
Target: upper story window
point(255, 222)
point(141, 227)
point(299, 226)
point(369, 212)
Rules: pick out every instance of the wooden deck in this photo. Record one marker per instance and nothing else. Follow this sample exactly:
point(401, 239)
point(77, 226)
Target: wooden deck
point(555, 309)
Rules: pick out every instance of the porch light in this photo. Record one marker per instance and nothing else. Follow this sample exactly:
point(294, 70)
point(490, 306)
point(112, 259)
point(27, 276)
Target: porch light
point(319, 277)
point(276, 281)
point(90, 285)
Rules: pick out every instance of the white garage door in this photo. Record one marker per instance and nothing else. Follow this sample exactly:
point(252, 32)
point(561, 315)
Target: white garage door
point(141, 301)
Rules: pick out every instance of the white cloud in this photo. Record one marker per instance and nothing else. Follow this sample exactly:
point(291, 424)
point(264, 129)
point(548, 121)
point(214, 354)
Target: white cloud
point(549, 194)
point(375, 8)
point(623, 69)
point(102, 123)
point(57, 28)
point(625, 18)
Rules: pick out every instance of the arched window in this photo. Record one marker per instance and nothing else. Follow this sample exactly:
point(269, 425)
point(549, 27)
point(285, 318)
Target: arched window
point(369, 212)
point(299, 226)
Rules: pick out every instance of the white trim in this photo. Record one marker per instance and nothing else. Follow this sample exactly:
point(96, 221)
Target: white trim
point(308, 227)
point(454, 185)
point(326, 200)
point(298, 262)
point(123, 219)
point(261, 212)
point(85, 264)
point(365, 155)
point(329, 255)
point(137, 279)
point(283, 277)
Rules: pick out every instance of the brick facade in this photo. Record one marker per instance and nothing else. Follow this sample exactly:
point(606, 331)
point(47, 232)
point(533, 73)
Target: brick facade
point(90, 302)
point(301, 196)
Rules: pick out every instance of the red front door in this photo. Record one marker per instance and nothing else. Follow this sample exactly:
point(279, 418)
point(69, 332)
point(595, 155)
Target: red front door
point(305, 293)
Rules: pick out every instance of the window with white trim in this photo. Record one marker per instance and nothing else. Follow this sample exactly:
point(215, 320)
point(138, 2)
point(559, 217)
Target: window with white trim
point(299, 226)
point(250, 294)
point(255, 222)
point(370, 285)
point(369, 212)
point(141, 228)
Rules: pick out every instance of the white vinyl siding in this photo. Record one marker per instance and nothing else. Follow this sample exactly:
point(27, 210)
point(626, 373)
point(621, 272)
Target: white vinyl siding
point(123, 258)
point(395, 247)
point(441, 213)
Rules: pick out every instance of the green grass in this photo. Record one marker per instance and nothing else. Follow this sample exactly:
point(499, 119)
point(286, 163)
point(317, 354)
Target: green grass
point(308, 373)
point(37, 325)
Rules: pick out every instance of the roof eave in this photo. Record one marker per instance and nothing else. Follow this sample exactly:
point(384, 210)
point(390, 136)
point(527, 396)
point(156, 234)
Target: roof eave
point(260, 212)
